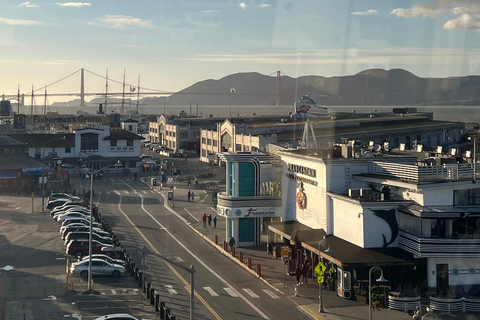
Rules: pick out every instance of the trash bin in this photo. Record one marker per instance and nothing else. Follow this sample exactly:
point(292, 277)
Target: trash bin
point(154, 182)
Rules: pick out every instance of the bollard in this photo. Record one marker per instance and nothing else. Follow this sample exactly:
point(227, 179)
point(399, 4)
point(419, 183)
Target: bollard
point(157, 302)
point(129, 262)
point(173, 317)
point(140, 278)
point(152, 296)
point(249, 263)
point(216, 240)
point(148, 290)
point(259, 270)
point(295, 289)
point(136, 275)
point(241, 257)
point(132, 269)
point(233, 251)
point(162, 310)
point(73, 287)
point(224, 245)
point(167, 313)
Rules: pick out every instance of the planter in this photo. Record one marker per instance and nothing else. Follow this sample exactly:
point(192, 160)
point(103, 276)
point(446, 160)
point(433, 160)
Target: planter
point(362, 299)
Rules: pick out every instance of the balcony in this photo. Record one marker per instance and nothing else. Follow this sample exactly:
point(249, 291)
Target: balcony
point(227, 201)
point(423, 247)
point(424, 174)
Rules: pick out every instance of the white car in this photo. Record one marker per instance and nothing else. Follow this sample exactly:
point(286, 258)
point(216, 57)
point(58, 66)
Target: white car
point(117, 316)
point(60, 213)
point(106, 258)
point(69, 215)
point(99, 267)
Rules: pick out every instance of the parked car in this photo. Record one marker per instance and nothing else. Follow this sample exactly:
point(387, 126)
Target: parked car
point(73, 214)
point(79, 248)
point(117, 316)
point(57, 202)
point(85, 235)
point(83, 210)
point(99, 267)
point(67, 206)
point(106, 258)
point(63, 195)
point(81, 220)
point(82, 228)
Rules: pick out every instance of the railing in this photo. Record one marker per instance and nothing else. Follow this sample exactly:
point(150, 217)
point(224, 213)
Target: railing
point(455, 305)
point(403, 303)
point(438, 247)
point(414, 173)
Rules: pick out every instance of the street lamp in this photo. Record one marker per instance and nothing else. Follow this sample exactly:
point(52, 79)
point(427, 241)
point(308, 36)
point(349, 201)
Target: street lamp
point(381, 279)
point(92, 174)
point(232, 90)
point(43, 169)
point(323, 242)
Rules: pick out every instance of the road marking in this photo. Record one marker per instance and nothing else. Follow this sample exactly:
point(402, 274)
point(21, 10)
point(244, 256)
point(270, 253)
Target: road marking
point(232, 292)
point(251, 293)
point(114, 291)
point(191, 215)
point(214, 210)
point(144, 191)
point(271, 294)
point(211, 291)
point(126, 192)
point(264, 316)
point(170, 289)
point(108, 192)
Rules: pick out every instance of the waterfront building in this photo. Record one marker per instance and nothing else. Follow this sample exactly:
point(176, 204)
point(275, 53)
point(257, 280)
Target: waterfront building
point(415, 215)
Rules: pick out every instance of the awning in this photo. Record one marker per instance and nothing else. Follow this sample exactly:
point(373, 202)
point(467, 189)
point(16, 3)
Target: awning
point(348, 254)
point(288, 228)
point(37, 171)
point(8, 175)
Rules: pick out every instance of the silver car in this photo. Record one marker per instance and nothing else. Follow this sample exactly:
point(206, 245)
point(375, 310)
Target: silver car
point(99, 267)
point(105, 258)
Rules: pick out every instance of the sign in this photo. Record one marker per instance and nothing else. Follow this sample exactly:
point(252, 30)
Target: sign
point(170, 195)
point(320, 269)
point(320, 279)
point(251, 212)
point(285, 252)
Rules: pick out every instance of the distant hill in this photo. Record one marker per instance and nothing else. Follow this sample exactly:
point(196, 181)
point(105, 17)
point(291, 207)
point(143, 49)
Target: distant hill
point(369, 87)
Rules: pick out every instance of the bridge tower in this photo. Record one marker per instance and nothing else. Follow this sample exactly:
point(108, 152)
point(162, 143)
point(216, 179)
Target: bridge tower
point(82, 88)
point(278, 89)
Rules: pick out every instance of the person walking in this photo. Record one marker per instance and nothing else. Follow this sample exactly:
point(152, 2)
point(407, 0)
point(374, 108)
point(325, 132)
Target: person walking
point(210, 220)
point(215, 221)
point(189, 195)
point(135, 175)
point(196, 182)
point(304, 273)
point(298, 273)
point(189, 182)
point(204, 219)
point(193, 196)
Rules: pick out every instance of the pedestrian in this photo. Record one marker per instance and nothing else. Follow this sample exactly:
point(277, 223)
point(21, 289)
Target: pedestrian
point(215, 221)
point(135, 175)
point(189, 195)
point(189, 182)
point(231, 242)
point(304, 273)
point(298, 273)
point(193, 196)
point(204, 219)
point(196, 182)
point(210, 220)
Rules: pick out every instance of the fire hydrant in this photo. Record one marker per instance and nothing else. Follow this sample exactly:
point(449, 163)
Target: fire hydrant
point(295, 288)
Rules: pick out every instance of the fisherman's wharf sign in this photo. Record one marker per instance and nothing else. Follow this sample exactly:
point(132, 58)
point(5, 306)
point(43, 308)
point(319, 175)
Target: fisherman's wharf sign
point(250, 212)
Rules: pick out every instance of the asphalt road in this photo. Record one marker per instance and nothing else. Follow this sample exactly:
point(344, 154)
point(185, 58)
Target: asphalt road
point(33, 263)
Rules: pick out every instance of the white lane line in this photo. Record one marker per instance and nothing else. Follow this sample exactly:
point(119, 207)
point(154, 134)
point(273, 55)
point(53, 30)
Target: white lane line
point(170, 289)
point(257, 310)
point(251, 293)
point(210, 291)
point(144, 191)
point(271, 294)
point(126, 192)
point(113, 291)
point(214, 210)
point(191, 215)
point(232, 292)
point(107, 192)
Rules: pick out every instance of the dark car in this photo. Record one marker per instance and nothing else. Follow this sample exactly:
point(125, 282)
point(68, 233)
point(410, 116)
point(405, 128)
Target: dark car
point(79, 248)
point(85, 235)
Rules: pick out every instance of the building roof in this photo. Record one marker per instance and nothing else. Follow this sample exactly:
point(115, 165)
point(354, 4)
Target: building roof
point(6, 141)
point(38, 140)
point(130, 120)
point(120, 134)
point(17, 162)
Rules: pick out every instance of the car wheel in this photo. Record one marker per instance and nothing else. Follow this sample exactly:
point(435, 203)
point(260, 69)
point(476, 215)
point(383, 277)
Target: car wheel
point(79, 254)
point(84, 274)
point(116, 274)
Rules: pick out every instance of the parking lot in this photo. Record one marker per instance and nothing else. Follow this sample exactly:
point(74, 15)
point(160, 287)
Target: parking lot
point(33, 274)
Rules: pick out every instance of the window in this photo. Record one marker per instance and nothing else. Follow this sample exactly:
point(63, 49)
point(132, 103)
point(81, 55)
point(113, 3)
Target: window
point(68, 150)
point(184, 135)
point(215, 142)
point(130, 127)
point(238, 147)
point(130, 142)
point(209, 142)
point(89, 142)
point(113, 143)
point(466, 197)
point(204, 140)
point(204, 153)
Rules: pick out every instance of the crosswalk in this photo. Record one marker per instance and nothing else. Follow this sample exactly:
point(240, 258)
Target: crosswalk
point(127, 192)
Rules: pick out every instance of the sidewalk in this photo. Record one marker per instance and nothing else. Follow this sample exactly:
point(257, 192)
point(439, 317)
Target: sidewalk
point(272, 270)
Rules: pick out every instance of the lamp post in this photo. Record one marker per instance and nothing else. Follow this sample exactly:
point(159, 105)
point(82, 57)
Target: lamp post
point(232, 90)
point(323, 242)
point(381, 279)
point(43, 169)
point(474, 178)
point(90, 231)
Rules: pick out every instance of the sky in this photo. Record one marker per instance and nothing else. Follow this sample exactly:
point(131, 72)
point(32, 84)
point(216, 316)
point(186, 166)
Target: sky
point(172, 44)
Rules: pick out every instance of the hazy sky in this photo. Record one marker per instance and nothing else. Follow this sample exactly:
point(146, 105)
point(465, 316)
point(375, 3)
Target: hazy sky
point(172, 44)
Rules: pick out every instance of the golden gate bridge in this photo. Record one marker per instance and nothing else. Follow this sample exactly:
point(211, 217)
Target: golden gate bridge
point(92, 84)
